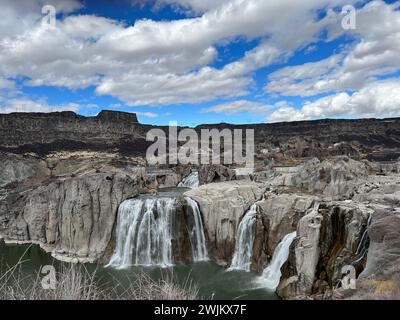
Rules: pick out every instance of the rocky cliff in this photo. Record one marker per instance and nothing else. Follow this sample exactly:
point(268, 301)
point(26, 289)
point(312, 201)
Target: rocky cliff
point(72, 218)
point(63, 177)
point(42, 133)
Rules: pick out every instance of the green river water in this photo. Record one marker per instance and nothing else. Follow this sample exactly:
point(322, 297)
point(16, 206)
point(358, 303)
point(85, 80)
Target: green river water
point(213, 281)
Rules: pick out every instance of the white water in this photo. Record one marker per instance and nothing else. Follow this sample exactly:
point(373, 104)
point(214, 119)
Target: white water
point(363, 245)
point(191, 181)
point(144, 233)
point(244, 171)
point(244, 241)
point(272, 274)
point(196, 232)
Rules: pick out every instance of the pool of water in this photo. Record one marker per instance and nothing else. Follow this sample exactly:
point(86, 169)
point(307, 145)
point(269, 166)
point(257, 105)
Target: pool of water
point(213, 281)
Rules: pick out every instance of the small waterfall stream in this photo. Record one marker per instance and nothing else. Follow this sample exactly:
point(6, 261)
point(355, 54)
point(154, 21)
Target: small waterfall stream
point(196, 232)
point(244, 241)
point(272, 273)
point(191, 181)
point(363, 245)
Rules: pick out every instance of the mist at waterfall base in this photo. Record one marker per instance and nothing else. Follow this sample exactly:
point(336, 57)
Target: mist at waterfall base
point(213, 281)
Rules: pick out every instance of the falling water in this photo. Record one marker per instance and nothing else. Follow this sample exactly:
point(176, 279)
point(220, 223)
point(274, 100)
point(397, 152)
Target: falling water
point(144, 233)
point(363, 245)
point(196, 231)
point(244, 241)
point(272, 274)
point(191, 181)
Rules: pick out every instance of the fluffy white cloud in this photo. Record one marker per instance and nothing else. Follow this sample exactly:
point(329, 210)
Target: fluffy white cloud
point(147, 114)
point(167, 62)
point(239, 106)
point(162, 62)
point(379, 99)
point(17, 17)
point(28, 105)
point(6, 84)
point(375, 54)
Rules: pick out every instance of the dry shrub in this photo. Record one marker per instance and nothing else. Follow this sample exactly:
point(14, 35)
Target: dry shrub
point(75, 282)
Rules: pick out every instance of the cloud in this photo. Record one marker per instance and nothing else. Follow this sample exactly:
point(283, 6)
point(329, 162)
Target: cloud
point(169, 62)
point(17, 17)
point(28, 105)
point(193, 6)
point(147, 114)
point(379, 99)
point(374, 55)
point(6, 84)
point(160, 62)
point(238, 107)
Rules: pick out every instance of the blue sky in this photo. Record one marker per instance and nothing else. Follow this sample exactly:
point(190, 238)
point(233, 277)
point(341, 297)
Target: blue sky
point(203, 61)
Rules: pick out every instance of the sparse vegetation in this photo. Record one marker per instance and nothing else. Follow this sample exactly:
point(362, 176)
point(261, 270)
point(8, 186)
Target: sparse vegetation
point(75, 282)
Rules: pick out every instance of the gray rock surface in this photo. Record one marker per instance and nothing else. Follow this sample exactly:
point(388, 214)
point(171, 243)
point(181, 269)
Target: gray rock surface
point(75, 216)
point(278, 216)
point(335, 178)
point(223, 206)
point(215, 173)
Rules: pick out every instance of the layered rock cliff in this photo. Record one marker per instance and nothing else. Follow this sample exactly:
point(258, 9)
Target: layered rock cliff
point(63, 177)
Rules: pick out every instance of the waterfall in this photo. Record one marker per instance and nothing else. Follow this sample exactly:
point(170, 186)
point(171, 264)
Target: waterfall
point(144, 233)
point(196, 233)
point(191, 181)
point(244, 241)
point(272, 274)
point(363, 245)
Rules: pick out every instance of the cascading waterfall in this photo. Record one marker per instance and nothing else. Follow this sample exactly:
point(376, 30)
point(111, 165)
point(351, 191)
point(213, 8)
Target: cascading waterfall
point(272, 274)
point(144, 233)
point(191, 181)
point(196, 233)
point(244, 241)
point(363, 245)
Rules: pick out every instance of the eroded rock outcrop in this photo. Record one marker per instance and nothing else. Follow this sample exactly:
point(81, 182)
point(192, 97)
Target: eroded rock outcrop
point(223, 206)
point(74, 217)
point(336, 178)
point(278, 215)
point(215, 173)
point(16, 168)
point(328, 238)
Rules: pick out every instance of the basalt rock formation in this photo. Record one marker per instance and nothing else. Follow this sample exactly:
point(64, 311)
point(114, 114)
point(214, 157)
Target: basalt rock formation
point(223, 206)
point(42, 133)
point(335, 182)
point(71, 218)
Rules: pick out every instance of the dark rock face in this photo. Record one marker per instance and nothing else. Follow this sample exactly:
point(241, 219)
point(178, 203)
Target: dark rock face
point(45, 132)
point(215, 173)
